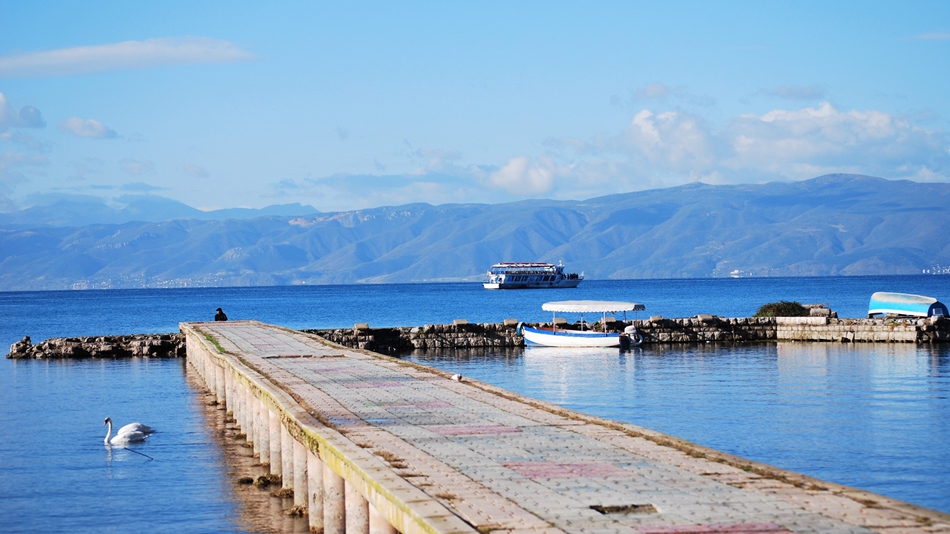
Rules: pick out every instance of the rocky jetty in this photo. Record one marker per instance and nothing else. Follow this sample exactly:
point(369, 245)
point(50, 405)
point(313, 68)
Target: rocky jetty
point(711, 328)
point(461, 335)
point(701, 328)
point(430, 336)
point(150, 345)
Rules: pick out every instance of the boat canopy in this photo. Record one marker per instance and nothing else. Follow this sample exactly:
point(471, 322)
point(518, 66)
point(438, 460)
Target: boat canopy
point(883, 303)
point(591, 306)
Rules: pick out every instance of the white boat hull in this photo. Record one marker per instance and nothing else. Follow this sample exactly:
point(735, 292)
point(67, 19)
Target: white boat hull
point(569, 338)
point(534, 285)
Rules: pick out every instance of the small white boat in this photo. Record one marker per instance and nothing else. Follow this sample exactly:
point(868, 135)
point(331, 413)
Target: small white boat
point(555, 337)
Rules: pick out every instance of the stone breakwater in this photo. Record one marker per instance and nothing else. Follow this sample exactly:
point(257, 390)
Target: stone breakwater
point(656, 330)
point(698, 329)
point(151, 345)
point(431, 336)
point(711, 328)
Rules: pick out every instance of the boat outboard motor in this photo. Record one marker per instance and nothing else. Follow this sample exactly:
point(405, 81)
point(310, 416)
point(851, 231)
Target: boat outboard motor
point(633, 335)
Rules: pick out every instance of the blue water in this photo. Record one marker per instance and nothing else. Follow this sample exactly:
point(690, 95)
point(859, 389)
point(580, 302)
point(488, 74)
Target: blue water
point(872, 416)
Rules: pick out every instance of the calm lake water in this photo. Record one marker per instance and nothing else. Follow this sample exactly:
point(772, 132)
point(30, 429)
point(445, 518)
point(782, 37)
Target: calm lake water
point(871, 416)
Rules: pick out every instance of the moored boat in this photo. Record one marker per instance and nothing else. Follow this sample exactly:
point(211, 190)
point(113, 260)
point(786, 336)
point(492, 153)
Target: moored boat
point(905, 305)
point(530, 275)
point(554, 337)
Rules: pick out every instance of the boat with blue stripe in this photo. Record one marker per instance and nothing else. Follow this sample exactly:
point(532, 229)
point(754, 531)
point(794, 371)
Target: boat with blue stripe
point(599, 337)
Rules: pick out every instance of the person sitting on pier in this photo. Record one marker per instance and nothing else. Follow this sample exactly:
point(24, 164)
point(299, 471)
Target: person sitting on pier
point(220, 316)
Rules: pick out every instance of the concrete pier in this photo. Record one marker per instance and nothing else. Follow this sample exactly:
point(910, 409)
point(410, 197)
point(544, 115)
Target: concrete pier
point(383, 445)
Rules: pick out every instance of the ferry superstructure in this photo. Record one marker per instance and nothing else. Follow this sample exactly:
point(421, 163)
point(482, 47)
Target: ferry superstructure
point(530, 275)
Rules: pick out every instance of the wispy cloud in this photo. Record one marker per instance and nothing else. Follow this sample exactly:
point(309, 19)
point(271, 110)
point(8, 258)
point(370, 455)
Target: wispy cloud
point(139, 187)
point(936, 36)
point(86, 167)
point(195, 170)
point(121, 56)
point(137, 167)
point(10, 165)
point(652, 91)
point(90, 128)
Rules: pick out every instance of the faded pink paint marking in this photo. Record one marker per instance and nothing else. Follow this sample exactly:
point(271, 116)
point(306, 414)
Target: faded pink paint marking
point(466, 430)
point(368, 385)
point(420, 406)
point(740, 528)
point(567, 470)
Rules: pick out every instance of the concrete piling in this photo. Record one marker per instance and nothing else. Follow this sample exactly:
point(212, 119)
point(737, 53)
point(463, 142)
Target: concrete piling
point(315, 491)
point(286, 459)
point(334, 511)
point(378, 523)
point(274, 439)
point(263, 432)
point(357, 510)
point(300, 475)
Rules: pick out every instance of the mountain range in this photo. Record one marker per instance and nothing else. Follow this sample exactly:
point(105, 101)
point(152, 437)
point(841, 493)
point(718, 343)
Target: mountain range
point(831, 225)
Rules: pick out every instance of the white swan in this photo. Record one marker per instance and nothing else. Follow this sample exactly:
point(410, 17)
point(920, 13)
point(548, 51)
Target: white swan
point(130, 433)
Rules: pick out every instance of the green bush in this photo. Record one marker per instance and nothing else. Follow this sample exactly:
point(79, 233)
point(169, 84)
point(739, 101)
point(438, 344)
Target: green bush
point(783, 309)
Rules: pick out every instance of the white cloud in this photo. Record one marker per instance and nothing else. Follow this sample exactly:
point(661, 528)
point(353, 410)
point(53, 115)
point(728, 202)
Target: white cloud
point(522, 176)
point(90, 128)
point(661, 149)
point(801, 143)
point(25, 117)
point(677, 141)
point(121, 56)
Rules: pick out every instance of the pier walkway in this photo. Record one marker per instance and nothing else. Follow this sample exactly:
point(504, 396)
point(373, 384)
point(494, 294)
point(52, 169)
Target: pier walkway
point(374, 444)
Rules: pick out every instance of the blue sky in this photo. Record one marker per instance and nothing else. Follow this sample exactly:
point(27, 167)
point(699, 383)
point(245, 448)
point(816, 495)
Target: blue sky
point(347, 106)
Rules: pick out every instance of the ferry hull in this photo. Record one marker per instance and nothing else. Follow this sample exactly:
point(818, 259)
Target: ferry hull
point(533, 285)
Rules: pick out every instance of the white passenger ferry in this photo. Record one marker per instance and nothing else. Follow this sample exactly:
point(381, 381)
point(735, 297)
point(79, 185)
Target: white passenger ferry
point(530, 275)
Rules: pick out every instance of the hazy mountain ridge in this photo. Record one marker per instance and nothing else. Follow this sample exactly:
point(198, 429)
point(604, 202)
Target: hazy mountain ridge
point(836, 224)
point(82, 210)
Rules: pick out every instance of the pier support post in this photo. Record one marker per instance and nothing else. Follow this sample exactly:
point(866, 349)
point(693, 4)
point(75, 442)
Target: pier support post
point(378, 523)
point(240, 403)
point(263, 435)
point(334, 511)
point(250, 415)
point(228, 393)
point(300, 475)
point(315, 491)
point(357, 510)
point(219, 387)
point(209, 376)
point(254, 413)
point(287, 459)
point(274, 439)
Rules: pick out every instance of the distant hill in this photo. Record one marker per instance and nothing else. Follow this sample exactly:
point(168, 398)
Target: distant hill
point(831, 225)
point(80, 210)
